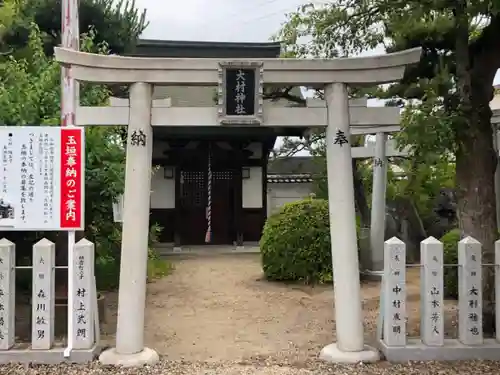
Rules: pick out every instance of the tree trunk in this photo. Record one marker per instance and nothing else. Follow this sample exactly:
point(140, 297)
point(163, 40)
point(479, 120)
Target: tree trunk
point(476, 163)
point(476, 159)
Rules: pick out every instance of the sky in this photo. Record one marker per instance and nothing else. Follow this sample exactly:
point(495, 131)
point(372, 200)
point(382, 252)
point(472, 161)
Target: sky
point(220, 20)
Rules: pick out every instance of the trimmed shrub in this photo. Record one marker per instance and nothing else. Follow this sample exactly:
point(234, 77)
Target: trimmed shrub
point(295, 244)
point(450, 256)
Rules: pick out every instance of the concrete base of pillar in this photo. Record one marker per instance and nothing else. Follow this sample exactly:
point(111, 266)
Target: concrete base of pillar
point(332, 354)
point(371, 275)
point(146, 357)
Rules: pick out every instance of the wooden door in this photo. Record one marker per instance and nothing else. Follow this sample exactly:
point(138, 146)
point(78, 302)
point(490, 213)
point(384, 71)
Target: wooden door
point(223, 224)
point(192, 186)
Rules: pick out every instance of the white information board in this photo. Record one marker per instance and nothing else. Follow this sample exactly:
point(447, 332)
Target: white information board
point(42, 178)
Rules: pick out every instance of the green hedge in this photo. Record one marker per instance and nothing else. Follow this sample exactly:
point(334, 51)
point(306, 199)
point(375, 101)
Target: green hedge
point(450, 256)
point(295, 244)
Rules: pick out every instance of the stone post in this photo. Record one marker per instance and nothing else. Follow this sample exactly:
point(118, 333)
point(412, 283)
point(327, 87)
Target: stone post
point(43, 295)
point(432, 289)
point(130, 350)
point(470, 292)
point(497, 289)
point(347, 290)
point(7, 293)
point(83, 285)
point(394, 289)
point(377, 228)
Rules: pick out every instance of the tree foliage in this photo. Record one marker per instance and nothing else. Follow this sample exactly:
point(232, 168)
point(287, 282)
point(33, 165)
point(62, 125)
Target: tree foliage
point(118, 23)
point(446, 95)
point(30, 95)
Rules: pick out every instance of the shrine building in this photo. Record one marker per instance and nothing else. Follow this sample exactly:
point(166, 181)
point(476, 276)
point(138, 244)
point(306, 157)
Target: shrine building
point(238, 155)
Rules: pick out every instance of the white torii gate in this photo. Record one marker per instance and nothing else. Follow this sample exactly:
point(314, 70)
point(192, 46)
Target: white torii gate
point(141, 73)
point(379, 152)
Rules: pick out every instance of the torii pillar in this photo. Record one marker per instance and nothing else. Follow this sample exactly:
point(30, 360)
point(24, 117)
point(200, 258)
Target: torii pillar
point(372, 263)
point(334, 75)
point(130, 349)
point(495, 122)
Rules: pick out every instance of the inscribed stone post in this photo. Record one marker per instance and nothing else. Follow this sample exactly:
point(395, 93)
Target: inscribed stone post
point(431, 284)
point(43, 309)
point(7, 293)
point(497, 289)
point(394, 292)
point(470, 321)
point(83, 284)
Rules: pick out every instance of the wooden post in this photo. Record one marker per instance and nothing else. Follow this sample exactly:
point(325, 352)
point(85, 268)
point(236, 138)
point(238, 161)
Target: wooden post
point(470, 299)
point(83, 284)
point(394, 309)
point(432, 287)
point(43, 295)
point(7, 293)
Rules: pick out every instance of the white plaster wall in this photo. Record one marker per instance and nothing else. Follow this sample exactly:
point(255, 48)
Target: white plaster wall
point(252, 189)
point(186, 96)
point(162, 191)
point(279, 194)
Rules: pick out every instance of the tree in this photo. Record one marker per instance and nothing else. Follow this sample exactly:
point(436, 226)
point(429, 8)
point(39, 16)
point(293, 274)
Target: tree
point(119, 24)
point(9, 11)
point(447, 93)
point(30, 94)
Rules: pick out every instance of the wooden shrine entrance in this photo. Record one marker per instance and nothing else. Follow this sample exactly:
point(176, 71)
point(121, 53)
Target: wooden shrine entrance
point(193, 188)
point(238, 204)
point(192, 192)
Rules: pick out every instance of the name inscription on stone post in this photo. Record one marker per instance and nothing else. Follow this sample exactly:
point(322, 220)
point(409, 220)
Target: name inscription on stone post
point(470, 318)
point(7, 293)
point(83, 314)
point(432, 325)
point(394, 313)
point(43, 309)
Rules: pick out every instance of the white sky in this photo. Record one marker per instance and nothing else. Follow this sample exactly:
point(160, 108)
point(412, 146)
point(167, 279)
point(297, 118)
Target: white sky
point(219, 20)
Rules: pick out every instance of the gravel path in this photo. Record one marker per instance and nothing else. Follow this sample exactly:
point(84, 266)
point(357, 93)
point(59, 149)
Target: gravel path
point(216, 315)
point(224, 368)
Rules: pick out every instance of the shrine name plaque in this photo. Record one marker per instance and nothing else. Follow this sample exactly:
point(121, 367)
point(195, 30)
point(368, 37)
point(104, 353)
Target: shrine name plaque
point(240, 93)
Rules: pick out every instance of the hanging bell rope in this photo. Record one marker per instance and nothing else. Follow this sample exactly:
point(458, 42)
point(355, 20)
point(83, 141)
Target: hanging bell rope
point(208, 235)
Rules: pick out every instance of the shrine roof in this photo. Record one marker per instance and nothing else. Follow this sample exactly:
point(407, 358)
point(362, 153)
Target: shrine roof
point(200, 49)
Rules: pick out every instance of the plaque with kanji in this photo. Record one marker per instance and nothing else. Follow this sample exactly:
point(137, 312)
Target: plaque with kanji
point(240, 93)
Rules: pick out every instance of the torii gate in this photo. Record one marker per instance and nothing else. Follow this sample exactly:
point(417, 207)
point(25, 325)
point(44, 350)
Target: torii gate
point(333, 75)
point(373, 264)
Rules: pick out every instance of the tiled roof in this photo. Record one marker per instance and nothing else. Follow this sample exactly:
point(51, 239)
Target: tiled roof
point(198, 49)
point(289, 178)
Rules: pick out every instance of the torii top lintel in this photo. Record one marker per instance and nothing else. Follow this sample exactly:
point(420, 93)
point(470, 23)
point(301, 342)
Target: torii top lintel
point(204, 72)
